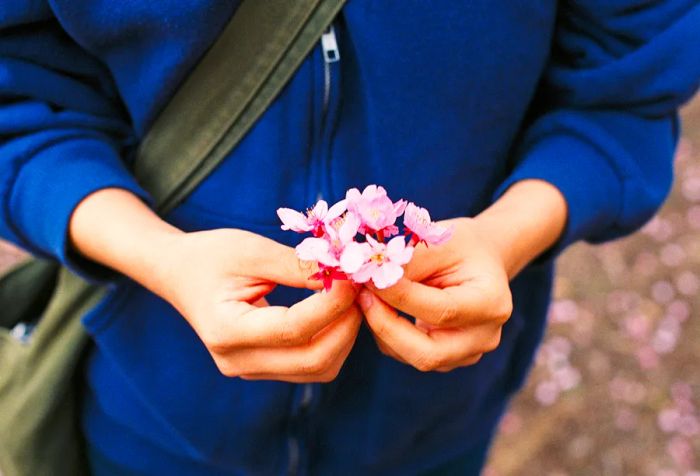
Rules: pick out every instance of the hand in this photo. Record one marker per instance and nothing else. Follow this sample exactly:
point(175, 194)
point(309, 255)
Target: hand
point(218, 279)
point(459, 294)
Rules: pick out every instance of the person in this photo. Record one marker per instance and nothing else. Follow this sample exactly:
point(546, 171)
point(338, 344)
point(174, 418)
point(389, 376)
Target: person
point(526, 125)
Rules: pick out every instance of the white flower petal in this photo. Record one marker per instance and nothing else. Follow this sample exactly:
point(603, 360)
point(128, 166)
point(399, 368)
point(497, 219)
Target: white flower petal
point(293, 220)
point(404, 257)
point(387, 275)
point(313, 249)
point(353, 195)
point(336, 210)
point(320, 209)
point(349, 229)
point(364, 274)
point(395, 246)
point(354, 256)
point(376, 246)
point(399, 207)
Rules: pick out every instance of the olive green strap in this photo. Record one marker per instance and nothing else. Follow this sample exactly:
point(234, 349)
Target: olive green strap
point(232, 86)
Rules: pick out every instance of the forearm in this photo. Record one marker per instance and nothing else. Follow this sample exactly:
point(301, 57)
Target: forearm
point(527, 219)
point(115, 228)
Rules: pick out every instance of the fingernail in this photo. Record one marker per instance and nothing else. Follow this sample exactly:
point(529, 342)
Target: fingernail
point(365, 299)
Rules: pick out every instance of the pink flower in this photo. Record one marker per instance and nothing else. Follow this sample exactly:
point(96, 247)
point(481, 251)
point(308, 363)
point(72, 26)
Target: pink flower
point(327, 275)
point(321, 251)
point(375, 209)
point(326, 251)
point(341, 232)
point(417, 222)
point(382, 263)
point(317, 249)
point(315, 220)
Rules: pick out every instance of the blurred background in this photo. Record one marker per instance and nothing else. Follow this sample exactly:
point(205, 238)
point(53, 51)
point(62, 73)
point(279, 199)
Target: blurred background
point(615, 389)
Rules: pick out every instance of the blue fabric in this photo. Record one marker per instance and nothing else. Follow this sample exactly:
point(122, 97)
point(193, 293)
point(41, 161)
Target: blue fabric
point(444, 103)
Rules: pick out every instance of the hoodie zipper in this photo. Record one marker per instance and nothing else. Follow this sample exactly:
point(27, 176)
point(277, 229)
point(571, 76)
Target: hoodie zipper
point(331, 56)
point(325, 114)
point(331, 70)
point(295, 443)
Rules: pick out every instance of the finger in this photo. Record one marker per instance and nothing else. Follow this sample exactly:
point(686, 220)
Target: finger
point(422, 263)
point(456, 306)
point(397, 335)
point(424, 326)
point(386, 350)
point(279, 263)
point(383, 348)
point(329, 375)
point(280, 326)
point(472, 360)
point(438, 348)
point(255, 292)
point(429, 304)
point(262, 302)
point(314, 359)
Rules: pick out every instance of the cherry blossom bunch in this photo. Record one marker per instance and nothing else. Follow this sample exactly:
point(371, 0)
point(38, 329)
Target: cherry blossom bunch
point(353, 238)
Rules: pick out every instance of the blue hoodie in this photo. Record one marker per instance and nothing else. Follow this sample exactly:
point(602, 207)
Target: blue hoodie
point(444, 103)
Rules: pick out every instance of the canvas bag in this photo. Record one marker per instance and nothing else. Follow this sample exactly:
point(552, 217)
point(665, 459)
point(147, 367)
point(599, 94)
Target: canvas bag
point(234, 83)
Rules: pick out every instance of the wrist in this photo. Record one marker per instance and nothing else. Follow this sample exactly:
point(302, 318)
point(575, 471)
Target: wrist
point(524, 222)
point(117, 229)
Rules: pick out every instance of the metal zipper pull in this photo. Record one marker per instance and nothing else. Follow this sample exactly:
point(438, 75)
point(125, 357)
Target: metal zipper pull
point(331, 53)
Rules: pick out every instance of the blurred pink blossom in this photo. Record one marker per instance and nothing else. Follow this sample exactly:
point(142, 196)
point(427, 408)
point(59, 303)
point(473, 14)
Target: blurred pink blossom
point(510, 423)
point(647, 358)
point(689, 426)
point(664, 340)
point(672, 255)
point(646, 263)
point(625, 419)
point(678, 309)
point(547, 392)
point(691, 189)
point(688, 283)
point(658, 228)
point(668, 420)
point(637, 326)
point(666, 472)
point(681, 391)
point(563, 311)
point(629, 391)
point(693, 217)
point(567, 377)
point(662, 292)
point(684, 150)
point(681, 451)
point(621, 301)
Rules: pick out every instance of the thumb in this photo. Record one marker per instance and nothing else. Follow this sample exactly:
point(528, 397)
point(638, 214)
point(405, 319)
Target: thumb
point(279, 263)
